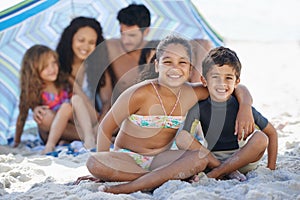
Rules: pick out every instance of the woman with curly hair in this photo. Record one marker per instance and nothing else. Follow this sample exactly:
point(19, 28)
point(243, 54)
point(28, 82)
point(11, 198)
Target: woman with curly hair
point(83, 57)
point(43, 85)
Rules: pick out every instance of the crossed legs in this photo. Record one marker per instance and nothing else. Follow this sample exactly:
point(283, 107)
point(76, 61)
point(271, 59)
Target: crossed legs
point(169, 165)
point(251, 152)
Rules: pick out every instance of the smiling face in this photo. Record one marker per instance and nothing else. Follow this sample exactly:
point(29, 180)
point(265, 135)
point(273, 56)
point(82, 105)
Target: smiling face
point(221, 82)
point(50, 69)
point(132, 37)
point(84, 42)
point(173, 66)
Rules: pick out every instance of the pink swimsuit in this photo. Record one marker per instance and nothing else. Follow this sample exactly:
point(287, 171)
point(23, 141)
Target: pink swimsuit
point(55, 101)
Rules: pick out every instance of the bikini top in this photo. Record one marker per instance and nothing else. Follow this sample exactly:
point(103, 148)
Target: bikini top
point(55, 101)
point(159, 121)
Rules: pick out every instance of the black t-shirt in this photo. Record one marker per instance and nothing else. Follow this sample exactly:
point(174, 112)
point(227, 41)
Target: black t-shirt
point(218, 122)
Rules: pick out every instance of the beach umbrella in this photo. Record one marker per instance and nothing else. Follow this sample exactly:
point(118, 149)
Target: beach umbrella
point(41, 22)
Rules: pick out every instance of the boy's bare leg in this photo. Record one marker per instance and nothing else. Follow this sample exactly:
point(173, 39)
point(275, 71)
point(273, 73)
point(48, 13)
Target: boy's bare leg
point(251, 152)
point(188, 164)
point(187, 141)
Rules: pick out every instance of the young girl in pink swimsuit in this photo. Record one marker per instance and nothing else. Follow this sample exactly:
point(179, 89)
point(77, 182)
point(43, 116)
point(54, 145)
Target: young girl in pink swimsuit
point(41, 84)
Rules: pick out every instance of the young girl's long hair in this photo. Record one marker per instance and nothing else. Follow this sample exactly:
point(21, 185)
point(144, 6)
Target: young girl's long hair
point(147, 70)
point(31, 83)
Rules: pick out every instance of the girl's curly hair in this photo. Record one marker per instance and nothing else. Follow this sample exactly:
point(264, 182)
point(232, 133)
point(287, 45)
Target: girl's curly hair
point(31, 84)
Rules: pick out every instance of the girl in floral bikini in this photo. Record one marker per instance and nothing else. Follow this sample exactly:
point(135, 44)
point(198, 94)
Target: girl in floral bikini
point(41, 84)
point(149, 115)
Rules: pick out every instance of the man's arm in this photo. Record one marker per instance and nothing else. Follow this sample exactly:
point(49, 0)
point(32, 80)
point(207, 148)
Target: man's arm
point(200, 49)
point(105, 96)
point(244, 124)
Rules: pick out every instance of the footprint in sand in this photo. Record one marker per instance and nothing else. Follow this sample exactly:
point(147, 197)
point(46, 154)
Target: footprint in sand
point(4, 168)
point(291, 145)
point(24, 178)
point(41, 161)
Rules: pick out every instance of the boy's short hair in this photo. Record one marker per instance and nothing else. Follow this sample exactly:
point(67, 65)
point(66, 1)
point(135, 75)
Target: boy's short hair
point(135, 14)
point(221, 56)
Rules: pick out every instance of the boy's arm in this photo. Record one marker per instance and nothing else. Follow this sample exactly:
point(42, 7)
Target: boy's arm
point(244, 124)
point(271, 132)
point(185, 141)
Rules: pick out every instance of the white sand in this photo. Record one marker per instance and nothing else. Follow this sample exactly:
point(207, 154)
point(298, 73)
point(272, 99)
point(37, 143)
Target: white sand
point(269, 71)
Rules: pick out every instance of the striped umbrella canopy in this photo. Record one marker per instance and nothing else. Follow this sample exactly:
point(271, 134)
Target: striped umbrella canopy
point(42, 22)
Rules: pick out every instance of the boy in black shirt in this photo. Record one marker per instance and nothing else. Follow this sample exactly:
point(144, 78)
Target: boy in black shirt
point(221, 74)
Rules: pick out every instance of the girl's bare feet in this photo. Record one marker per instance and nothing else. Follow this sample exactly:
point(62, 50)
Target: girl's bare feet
point(88, 177)
point(47, 149)
point(237, 175)
point(196, 178)
point(102, 188)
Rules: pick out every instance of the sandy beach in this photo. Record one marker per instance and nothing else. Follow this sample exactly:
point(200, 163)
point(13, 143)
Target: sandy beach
point(269, 72)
